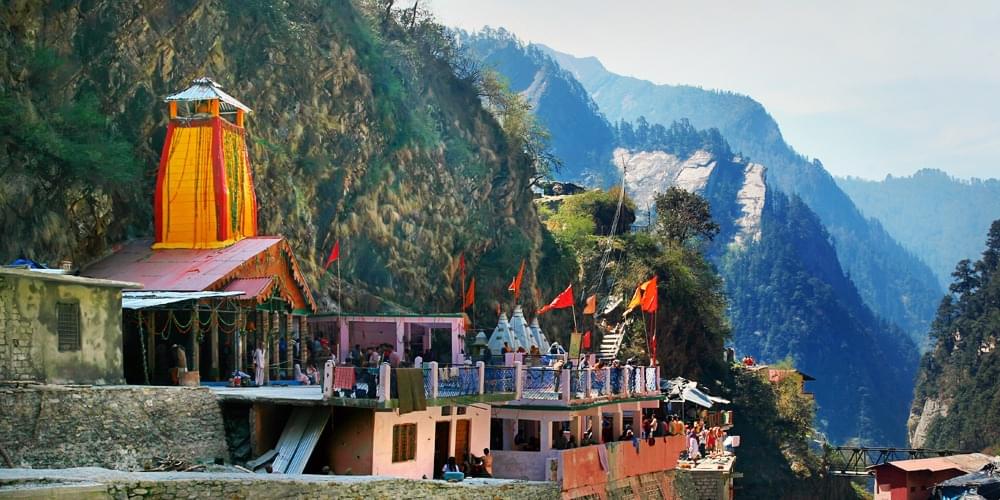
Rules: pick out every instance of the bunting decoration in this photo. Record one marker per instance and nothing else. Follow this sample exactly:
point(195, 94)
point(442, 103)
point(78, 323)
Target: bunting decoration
point(591, 306)
point(515, 286)
point(562, 301)
point(334, 255)
point(470, 295)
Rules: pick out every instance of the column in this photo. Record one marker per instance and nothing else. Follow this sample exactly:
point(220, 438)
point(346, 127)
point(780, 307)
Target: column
point(305, 341)
point(272, 330)
point(289, 349)
point(545, 435)
point(214, 325)
point(195, 349)
point(588, 381)
point(617, 421)
point(518, 380)
point(343, 334)
point(384, 373)
point(150, 344)
point(597, 425)
point(457, 331)
point(575, 425)
point(481, 367)
point(399, 336)
point(434, 379)
point(564, 387)
point(239, 337)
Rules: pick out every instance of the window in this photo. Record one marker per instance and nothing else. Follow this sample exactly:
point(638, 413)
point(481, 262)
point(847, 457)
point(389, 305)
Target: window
point(68, 325)
point(404, 442)
point(461, 410)
point(445, 411)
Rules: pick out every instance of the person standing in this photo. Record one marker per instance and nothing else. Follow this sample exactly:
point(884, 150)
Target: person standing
point(259, 360)
point(487, 462)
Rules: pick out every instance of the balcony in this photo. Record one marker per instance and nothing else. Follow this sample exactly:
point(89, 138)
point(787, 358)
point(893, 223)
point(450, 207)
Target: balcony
point(374, 387)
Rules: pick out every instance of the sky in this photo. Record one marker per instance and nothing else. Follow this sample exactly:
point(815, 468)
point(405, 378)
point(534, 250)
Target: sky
point(869, 87)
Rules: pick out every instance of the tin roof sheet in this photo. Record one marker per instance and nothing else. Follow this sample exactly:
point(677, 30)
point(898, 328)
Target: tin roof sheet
point(203, 89)
point(181, 269)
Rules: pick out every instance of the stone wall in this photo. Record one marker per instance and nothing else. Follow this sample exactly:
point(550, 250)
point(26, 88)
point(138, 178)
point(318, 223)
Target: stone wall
point(104, 484)
point(119, 427)
point(704, 485)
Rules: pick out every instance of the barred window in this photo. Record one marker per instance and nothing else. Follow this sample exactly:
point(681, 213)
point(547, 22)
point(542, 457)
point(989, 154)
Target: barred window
point(68, 325)
point(404, 442)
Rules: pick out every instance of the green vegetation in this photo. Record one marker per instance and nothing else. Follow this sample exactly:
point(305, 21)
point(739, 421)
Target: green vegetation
point(962, 368)
point(679, 139)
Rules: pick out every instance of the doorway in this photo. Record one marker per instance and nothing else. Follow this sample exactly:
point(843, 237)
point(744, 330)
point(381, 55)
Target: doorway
point(462, 441)
point(442, 439)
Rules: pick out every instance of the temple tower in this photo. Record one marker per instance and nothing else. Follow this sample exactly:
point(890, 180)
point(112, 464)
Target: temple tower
point(204, 188)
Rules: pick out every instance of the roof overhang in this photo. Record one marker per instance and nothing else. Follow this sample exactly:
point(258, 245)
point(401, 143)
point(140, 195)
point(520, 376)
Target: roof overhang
point(147, 299)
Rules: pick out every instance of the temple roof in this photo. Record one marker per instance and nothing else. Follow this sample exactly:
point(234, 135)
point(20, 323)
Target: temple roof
point(203, 89)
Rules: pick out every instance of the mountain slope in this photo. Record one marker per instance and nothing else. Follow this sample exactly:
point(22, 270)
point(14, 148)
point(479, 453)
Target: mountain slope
point(361, 132)
point(788, 295)
point(953, 214)
point(557, 99)
point(893, 282)
point(956, 404)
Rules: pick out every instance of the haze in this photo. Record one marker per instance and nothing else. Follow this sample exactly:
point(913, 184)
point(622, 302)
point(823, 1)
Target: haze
point(869, 88)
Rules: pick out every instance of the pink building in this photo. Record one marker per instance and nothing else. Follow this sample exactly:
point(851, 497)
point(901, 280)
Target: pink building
point(442, 334)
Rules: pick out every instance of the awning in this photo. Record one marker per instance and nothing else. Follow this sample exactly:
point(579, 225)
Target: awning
point(693, 395)
point(251, 288)
point(680, 389)
point(721, 401)
point(146, 299)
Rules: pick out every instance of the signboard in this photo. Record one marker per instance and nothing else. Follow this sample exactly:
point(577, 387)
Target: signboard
point(574, 346)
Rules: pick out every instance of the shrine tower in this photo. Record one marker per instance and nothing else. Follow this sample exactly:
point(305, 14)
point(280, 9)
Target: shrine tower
point(204, 188)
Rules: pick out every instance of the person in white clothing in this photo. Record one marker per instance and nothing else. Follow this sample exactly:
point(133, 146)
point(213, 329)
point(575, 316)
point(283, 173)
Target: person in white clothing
point(258, 363)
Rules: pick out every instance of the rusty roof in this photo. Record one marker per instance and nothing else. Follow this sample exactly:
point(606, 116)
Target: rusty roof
point(251, 288)
point(968, 462)
point(177, 269)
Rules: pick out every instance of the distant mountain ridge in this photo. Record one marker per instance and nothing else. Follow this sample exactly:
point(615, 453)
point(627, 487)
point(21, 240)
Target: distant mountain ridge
point(936, 216)
point(892, 281)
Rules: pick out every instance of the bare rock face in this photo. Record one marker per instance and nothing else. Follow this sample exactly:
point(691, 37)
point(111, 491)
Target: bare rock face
point(651, 172)
point(919, 424)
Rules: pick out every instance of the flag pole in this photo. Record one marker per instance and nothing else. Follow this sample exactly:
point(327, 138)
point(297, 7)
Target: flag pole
point(340, 297)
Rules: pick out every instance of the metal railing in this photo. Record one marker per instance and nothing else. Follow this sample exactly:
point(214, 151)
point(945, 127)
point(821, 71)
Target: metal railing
point(458, 381)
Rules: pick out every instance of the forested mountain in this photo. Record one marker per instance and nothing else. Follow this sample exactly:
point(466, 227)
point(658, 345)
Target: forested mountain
point(558, 100)
point(956, 404)
point(892, 281)
point(362, 132)
point(788, 295)
point(937, 217)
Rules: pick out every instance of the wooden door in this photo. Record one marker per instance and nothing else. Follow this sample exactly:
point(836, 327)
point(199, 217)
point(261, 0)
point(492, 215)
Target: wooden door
point(441, 442)
point(462, 429)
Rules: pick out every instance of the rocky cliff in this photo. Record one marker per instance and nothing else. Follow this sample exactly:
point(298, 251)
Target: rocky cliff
point(361, 133)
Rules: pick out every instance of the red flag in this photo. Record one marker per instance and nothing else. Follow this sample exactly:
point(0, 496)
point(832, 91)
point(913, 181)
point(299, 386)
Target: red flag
point(515, 286)
point(650, 296)
point(470, 295)
point(562, 301)
point(334, 255)
point(585, 343)
point(591, 307)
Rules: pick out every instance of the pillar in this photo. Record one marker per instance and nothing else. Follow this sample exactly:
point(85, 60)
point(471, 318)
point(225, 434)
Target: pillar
point(565, 390)
point(434, 379)
point(518, 380)
point(384, 373)
point(150, 344)
point(597, 425)
point(399, 336)
point(195, 345)
point(214, 332)
point(273, 331)
point(545, 435)
point(328, 379)
point(617, 421)
point(575, 425)
point(607, 381)
point(481, 367)
point(588, 380)
point(343, 335)
point(289, 349)
point(305, 340)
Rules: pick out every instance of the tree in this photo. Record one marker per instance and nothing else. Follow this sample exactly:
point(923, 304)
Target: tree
point(682, 215)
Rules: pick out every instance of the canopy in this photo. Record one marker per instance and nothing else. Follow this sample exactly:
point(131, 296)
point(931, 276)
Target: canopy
point(146, 299)
point(680, 389)
point(987, 485)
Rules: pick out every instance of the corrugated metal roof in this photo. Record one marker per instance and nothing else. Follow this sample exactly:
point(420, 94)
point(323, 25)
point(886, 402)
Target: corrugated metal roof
point(967, 462)
point(181, 269)
point(203, 89)
point(251, 288)
point(143, 299)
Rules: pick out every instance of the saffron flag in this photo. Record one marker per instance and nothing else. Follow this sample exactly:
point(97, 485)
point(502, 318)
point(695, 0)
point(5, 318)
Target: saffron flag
point(650, 296)
point(515, 286)
point(591, 306)
point(586, 340)
point(334, 255)
point(636, 300)
point(562, 301)
point(470, 295)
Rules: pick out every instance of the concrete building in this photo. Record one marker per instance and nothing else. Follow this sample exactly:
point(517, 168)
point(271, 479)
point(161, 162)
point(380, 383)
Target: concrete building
point(915, 479)
point(60, 329)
